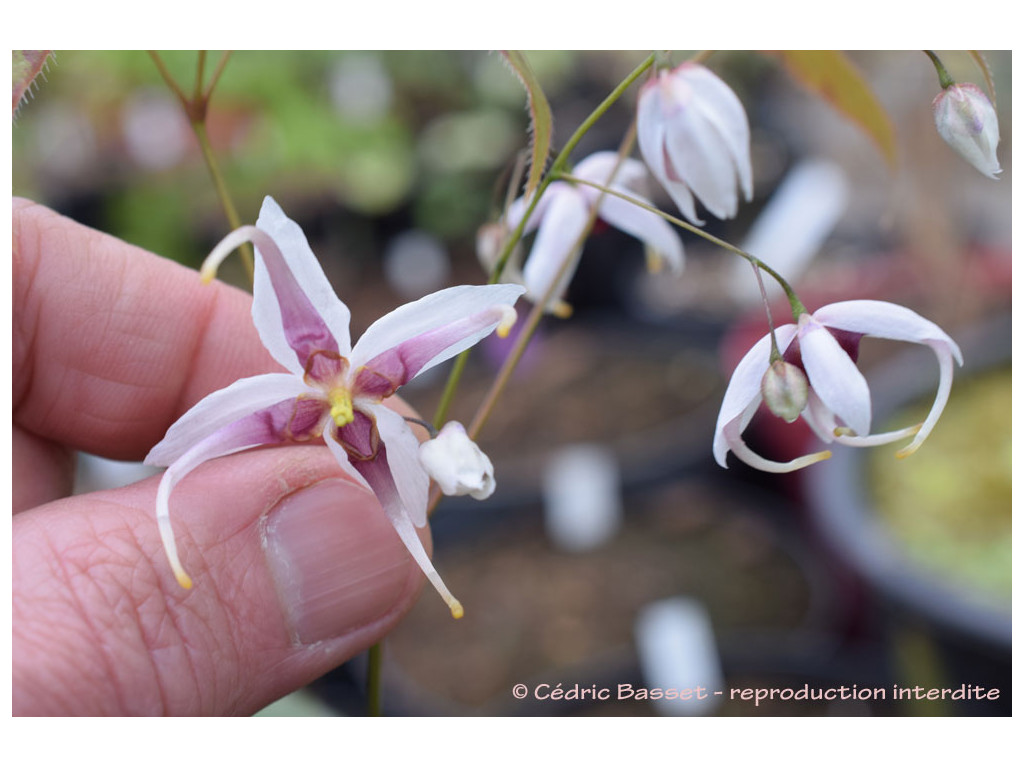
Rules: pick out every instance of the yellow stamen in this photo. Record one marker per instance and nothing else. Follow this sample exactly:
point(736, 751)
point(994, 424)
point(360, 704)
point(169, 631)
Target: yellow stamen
point(508, 319)
point(562, 310)
point(341, 406)
point(456, 608)
point(654, 259)
point(183, 579)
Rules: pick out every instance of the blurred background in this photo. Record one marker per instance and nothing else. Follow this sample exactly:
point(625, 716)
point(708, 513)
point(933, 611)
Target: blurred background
point(615, 549)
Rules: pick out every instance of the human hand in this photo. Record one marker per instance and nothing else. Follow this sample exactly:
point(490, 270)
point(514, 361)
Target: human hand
point(296, 568)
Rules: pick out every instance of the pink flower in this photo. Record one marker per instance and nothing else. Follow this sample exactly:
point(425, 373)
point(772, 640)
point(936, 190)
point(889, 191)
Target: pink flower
point(561, 216)
point(967, 122)
point(693, 135)
point(332, 390)
point(838, 407)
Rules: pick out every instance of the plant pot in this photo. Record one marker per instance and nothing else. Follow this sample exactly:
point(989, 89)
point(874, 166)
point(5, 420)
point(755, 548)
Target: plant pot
point(904, 571)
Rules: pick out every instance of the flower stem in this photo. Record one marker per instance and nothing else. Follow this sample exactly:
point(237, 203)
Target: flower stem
point(944, 79)
point(196, 109)
point(560, 161)
point(794, 302)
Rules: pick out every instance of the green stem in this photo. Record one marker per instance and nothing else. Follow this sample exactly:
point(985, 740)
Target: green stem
point(795, 304)
point(944, 79)
point(450, 387)
point(195, 109)
point(510, 243)
point(374, 662)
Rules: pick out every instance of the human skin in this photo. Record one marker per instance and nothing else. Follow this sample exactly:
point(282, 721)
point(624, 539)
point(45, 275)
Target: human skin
point(295, 566)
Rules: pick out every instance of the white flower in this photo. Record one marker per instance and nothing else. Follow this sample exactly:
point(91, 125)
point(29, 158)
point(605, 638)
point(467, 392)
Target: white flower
point(457, 464)
point(561, 216)
point(693, 135)
point(333, 390)
point(838, 405)
point(967, 121)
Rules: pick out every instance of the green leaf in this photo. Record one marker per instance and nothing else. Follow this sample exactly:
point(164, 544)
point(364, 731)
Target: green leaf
point(540, 117)
point(983, 66)
point(831, 76)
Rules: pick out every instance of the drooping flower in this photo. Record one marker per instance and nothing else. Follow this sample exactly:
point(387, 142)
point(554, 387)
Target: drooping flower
point(457, 464)
point(561, 217)
point(838, 408)
point(694, 136)
point(967, 121)
point(332, 390)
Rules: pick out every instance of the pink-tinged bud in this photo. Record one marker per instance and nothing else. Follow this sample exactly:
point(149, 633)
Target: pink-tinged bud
point(694, 136)
point(966, 120)
point(784, 389)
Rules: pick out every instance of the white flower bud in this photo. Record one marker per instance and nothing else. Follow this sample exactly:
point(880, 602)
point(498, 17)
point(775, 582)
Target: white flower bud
point(457, 464)
point(966, 120)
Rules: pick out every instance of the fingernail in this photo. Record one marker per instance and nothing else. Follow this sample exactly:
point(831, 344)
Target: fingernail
point(336, 561)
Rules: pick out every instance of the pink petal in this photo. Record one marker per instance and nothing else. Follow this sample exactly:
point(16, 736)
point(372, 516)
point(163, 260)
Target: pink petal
point(410, 478)
point(378, 474)
point(268, 426)
point(428, 331)
point(221, 408)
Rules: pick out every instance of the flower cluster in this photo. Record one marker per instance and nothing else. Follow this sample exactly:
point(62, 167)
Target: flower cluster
point(333, 390)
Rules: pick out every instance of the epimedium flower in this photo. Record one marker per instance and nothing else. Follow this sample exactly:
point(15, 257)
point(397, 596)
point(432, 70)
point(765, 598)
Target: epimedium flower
point(333, 389)
point(967, 121)
point(561, 216)
point(824, 346)
point(457, 464)
point(694, 136)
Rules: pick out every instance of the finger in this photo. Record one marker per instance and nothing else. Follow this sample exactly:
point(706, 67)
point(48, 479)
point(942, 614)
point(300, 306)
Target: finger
point(293, 576)
point(111, 343)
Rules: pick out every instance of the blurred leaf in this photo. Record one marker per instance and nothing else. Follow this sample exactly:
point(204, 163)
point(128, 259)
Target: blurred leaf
point(831, 76)
point(983, 66)
point(540, 117)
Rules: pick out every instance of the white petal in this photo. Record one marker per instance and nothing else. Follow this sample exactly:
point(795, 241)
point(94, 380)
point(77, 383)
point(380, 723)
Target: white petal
point(834, 377)
point(702, 159)
point(556, 243)
point(403, 458)
point(651, 127)
point(221, 408)
point(629, 173)
point(644, 225)
point(430, 313)
point(743, 394)
point(885, 320)
point(723, 109)
point(311, 279)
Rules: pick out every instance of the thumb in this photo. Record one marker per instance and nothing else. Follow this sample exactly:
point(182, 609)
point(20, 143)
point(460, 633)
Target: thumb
point(295, 569)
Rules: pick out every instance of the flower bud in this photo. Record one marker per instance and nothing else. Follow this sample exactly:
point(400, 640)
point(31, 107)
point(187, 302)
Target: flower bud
point(966, 120)
point(784, 389)
point(457, 464)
